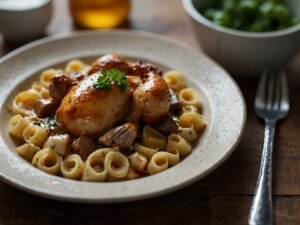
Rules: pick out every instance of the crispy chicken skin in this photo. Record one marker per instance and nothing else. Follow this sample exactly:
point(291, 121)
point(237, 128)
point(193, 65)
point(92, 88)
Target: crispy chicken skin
point(90, 111)
point(110, 61)
point(152, 98)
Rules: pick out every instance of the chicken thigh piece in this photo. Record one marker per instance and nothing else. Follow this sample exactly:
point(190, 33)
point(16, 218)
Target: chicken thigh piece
point(91, 111)
point(151, 100)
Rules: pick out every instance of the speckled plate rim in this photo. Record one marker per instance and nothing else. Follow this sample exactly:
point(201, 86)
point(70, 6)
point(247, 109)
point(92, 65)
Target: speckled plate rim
point(226, 108)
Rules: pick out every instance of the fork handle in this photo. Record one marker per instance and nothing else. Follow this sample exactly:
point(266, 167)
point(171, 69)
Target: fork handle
point(261, 212)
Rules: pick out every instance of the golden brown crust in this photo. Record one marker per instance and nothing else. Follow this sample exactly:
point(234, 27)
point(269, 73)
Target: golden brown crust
point(110, 61)
point(153, 98)
point(92, 111)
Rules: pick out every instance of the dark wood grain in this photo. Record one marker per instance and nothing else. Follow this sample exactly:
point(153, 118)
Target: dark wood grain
point(223, 197)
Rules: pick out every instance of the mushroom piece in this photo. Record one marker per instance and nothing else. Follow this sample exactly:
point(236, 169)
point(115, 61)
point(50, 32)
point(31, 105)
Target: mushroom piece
point(46, 107)
point(59, 86)
point(167, 124)
point(122, 136)
point(61, 143)
point(84, 146)
point(138, 161)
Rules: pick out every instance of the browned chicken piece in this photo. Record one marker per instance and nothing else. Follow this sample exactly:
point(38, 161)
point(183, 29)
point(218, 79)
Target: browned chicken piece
point(122, 136)
point(142, 70)
point(133, 82)
point(110, 61)
point(91, 111)
point(151, 100)
point(60, 86)
point(84, 146)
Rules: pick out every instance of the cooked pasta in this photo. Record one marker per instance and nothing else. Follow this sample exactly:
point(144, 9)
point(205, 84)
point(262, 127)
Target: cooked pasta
point(145, 151)
point(173, 156)
point(190, 119)
point(43, 91)
point(47, 160)
point(25, 102)
point(160, 161)
point(27, 151)
point(72, 167)
point(74, 66)
point(175, 141)
point(153, 138)
point(46, 77)
point(35, 135)
point(116, 164)
point(188, 133)
point(190, 108)
point(189, 96)
point(94, 169)
point(114, 120)
point(16, 125)
point(175, 80)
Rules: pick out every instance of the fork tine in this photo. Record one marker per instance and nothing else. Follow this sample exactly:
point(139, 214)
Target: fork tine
point(270, 89)
point(278, 90)
point(261, 90)
point(284, 91)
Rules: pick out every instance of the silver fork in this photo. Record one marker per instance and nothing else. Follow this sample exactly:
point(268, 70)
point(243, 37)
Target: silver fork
point(271, 104)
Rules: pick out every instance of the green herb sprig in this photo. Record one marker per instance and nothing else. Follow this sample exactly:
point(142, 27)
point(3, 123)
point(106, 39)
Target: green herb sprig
point(49, 123)
point(111, 77)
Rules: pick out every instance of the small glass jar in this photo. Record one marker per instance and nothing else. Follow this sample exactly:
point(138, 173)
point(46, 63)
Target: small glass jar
point(99, 13)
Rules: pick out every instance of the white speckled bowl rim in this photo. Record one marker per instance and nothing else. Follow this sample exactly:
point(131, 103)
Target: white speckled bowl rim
point(223, 103)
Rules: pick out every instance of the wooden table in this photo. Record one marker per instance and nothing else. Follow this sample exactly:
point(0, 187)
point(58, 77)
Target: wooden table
point(223, 197)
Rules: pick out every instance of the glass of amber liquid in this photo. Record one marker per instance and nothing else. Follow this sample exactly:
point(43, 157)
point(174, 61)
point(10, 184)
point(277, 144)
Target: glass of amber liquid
point(99, 13)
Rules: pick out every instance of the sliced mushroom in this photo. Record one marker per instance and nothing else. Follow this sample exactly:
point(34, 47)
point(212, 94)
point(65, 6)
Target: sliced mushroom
point(46, 107)
point(84, 146)
point(122, 136)
point(59, 86)
point(167, 124)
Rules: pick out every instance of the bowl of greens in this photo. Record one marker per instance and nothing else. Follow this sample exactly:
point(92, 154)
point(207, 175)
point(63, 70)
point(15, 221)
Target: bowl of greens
point(247, 36)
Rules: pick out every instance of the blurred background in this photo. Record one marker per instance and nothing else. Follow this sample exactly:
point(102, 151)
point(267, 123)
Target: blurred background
point(166, 17)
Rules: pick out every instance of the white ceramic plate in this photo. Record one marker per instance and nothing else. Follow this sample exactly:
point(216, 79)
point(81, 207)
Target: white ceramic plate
point(224, 109)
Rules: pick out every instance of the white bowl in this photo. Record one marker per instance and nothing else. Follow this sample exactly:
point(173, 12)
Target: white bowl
point(245, 53)
point(22, 21)
point(223, 108)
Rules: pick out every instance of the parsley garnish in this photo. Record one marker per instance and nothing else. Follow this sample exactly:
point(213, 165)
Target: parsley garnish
point(111, 77)
point(37, 124)
point(50, 122)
